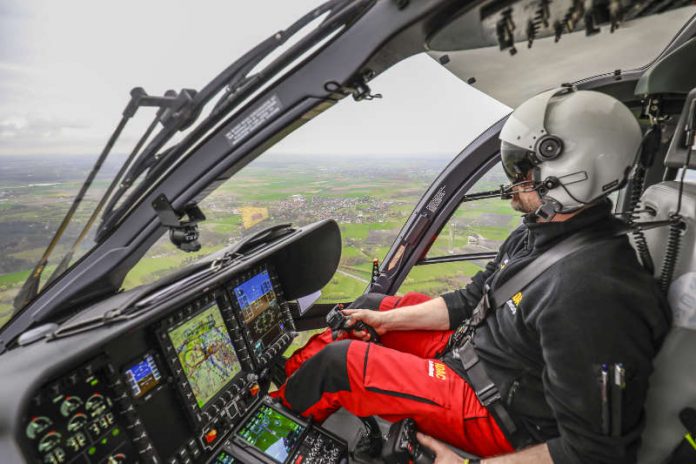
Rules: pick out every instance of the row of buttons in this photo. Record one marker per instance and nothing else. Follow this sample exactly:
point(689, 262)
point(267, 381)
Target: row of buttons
point(317, 448)
point(140, 439)
point(186, 454)
point(278, 347)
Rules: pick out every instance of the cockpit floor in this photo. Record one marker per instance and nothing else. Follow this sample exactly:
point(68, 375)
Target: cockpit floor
point(348, 427)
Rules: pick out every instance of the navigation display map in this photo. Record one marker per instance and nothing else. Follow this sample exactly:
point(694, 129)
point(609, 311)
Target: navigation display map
point(260, 310)
point(206, 354)
point(271, 432)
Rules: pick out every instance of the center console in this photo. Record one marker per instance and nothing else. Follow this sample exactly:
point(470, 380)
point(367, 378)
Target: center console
point(269, 434)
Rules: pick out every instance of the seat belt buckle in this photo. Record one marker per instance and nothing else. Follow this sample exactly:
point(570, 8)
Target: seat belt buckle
point(466, 355)
point(488, 394)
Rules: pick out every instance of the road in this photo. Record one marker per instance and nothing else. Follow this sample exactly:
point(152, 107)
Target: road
point(353, 276)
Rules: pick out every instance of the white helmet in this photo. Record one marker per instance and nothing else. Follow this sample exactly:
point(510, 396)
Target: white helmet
point(580, 144)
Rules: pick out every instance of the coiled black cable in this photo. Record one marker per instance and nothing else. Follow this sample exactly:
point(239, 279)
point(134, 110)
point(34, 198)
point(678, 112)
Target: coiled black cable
point(671, 252)
point(675, 231)
point(641, 243)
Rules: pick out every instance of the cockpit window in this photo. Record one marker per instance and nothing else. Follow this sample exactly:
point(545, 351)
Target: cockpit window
point(363, 164)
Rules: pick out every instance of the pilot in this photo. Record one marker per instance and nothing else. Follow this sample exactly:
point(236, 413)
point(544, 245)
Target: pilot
point(559, 372)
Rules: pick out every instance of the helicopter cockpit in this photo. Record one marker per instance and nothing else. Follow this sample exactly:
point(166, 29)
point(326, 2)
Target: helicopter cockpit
point(177, 369)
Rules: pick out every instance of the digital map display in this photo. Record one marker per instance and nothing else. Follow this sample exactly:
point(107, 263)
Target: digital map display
point(260, 310)
point(206, 354)
point(271, 432)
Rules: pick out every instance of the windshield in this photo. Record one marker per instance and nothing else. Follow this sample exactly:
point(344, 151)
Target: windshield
point(96, 192)
point(364, 164)
point(365, 172)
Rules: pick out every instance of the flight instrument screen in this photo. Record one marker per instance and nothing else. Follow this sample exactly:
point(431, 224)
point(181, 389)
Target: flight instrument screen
point(206, 353)
point(271, 432)
point(143, 376)
point(260, 310)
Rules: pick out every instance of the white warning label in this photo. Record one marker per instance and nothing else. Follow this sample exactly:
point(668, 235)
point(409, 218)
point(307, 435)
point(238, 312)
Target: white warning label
point(257, 117)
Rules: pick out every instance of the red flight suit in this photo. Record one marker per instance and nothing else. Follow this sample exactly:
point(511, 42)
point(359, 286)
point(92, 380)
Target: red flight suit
point(396, 379)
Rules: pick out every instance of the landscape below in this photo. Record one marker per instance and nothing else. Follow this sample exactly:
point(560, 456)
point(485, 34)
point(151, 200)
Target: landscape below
point(370, 202)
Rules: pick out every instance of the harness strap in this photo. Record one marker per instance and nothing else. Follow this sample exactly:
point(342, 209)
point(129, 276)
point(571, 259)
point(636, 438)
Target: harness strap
point(486, 391)
point(461, 342)
point(543, 262)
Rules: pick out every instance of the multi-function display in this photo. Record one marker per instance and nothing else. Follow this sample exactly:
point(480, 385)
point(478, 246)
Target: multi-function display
point(205, 352)
point(260, 310)
point(272, 433)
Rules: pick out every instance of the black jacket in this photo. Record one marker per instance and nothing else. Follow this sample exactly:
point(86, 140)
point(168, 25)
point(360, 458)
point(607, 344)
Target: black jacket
point(545, 350)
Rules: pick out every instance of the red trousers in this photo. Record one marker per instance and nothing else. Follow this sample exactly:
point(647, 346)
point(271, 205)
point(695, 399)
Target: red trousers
point(396, 379)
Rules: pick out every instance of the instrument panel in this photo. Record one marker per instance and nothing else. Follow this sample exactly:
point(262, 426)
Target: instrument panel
point(176, 390)
point(75, 419)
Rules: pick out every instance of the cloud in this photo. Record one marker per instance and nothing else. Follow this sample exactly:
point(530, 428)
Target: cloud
point(65, 78)
point(14, 9)
point(16, 68)
point(46, 134)
point(29, 126)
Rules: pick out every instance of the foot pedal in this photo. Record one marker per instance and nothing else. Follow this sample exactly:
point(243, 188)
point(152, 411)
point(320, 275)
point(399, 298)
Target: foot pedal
point(369, 444)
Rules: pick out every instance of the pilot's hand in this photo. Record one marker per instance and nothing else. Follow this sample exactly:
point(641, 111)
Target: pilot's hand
point(443, 455)
point(374, 319)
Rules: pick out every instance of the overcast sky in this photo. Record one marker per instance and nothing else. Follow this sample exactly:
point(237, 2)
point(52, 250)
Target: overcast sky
point(66, 68)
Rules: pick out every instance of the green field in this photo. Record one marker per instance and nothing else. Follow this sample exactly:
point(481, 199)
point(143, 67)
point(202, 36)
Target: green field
point(370, 205)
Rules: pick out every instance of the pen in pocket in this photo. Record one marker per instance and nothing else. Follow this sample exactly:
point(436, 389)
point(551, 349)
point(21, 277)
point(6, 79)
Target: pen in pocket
point(604, 392)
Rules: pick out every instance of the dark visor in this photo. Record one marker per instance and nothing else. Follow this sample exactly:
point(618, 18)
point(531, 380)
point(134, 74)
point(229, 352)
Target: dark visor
point(516, 161)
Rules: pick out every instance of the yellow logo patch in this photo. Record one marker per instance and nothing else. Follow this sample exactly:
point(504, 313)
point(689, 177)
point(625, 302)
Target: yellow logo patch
point(437, 370)
point(516, 298)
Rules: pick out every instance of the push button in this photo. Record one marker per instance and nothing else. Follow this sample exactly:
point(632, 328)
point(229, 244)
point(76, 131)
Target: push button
point(210, 436)
point(183, 454)
point(193, 448)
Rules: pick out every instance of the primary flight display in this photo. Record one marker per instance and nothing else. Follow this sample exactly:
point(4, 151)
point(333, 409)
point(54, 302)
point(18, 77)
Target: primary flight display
point(206, 353)
point(260, 310)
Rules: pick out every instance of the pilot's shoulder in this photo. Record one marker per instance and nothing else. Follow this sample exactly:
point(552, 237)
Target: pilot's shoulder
point(516, 235)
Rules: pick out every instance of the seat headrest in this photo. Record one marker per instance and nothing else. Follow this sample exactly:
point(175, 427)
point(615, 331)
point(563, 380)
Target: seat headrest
point(679, 148)
point(663, 198)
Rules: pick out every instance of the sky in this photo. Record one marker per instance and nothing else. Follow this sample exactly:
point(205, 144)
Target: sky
point(66, 69)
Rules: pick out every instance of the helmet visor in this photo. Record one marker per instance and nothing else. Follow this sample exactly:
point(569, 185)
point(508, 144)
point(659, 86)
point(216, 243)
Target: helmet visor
point(516, 161)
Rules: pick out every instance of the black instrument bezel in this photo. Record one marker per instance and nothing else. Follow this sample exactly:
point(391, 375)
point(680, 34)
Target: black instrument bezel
point(283, 337)
point(236, 443)
point(214, 408)
point(159, 362)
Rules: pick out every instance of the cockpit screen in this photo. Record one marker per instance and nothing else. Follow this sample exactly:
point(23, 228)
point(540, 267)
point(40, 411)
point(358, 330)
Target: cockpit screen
point(260, 310)
point(224, 458)
point(143, 376)
point(272, 433)
point(206, 353)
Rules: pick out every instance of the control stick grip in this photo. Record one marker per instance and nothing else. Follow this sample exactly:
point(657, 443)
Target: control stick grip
point(360, 325)
point(337, 321)
point(402, 447)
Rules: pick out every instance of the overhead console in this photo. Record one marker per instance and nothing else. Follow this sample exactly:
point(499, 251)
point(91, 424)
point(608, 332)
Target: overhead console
point(179, 384)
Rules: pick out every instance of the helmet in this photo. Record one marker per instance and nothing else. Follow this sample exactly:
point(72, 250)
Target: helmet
point(580, 144)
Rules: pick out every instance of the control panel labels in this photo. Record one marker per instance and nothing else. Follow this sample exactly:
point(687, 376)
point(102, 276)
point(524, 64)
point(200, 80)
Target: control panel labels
point(265, 111)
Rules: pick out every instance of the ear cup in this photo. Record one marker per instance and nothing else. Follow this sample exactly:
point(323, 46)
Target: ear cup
point(549, 147)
